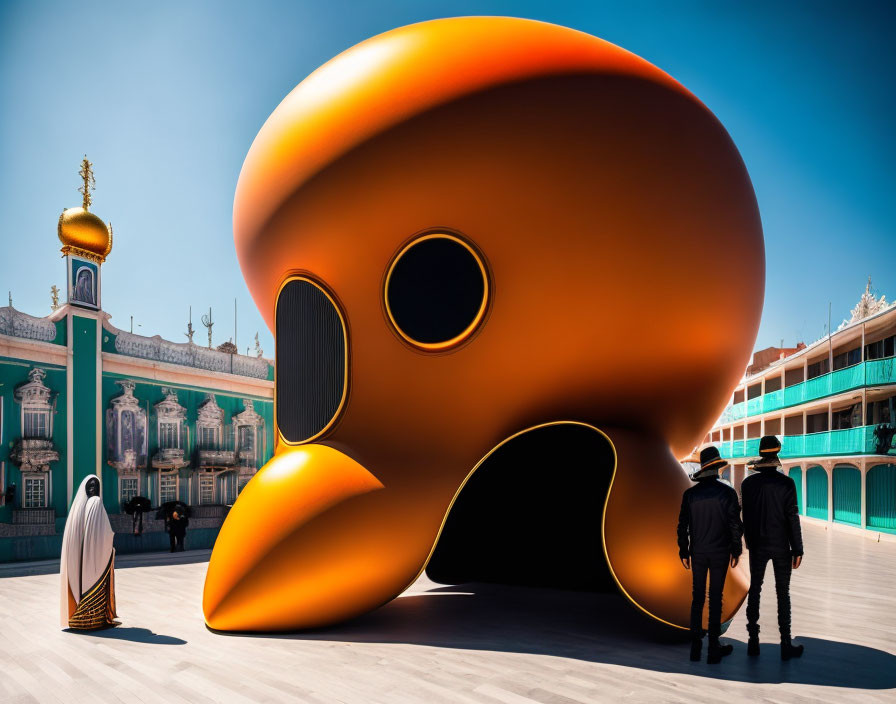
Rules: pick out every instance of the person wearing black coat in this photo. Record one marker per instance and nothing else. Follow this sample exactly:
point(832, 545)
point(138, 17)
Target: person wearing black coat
point(709, 539)
point(177, 529)
point(772, 527)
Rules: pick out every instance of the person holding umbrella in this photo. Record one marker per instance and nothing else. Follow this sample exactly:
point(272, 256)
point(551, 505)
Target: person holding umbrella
point(136, 507)
point(177, 518)
point(177, 529)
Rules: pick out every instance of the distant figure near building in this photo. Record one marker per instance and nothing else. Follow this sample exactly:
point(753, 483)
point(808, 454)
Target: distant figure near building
point(709, 538)
point(772, 527)
point(87, 564)
point(177, 529)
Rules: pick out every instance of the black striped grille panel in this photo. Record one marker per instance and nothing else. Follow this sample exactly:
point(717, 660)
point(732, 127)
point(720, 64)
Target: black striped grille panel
point(310, 360)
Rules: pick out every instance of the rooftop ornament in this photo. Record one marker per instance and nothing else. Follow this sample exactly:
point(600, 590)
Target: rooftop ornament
point(867, 306)
point(81, 232)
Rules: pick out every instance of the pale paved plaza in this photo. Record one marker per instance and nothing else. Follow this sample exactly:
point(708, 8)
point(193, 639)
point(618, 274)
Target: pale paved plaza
point(451, 644)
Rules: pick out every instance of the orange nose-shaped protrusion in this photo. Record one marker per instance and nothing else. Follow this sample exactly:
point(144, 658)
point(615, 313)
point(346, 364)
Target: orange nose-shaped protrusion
point(281, 558)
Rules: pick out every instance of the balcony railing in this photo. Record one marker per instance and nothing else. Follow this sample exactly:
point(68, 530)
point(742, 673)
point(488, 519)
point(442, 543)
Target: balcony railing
point(850, 441)
point(877, 371)
point(221, 459)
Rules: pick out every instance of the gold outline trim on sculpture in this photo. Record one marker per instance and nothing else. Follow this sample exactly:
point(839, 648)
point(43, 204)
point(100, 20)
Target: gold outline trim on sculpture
point(603, 518)
point(483, 307)
point(342, 401)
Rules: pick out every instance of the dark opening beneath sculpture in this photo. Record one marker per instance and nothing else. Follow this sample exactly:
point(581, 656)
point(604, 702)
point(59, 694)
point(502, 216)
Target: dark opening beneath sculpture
point(435, 290)
point(531, 515)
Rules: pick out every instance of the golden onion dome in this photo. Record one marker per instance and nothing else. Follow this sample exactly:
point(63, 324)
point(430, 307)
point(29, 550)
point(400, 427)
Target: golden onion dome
point(82, 232)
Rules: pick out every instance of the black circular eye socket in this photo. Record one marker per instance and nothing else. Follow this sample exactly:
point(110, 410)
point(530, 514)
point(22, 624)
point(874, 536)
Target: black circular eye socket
point(436, 291)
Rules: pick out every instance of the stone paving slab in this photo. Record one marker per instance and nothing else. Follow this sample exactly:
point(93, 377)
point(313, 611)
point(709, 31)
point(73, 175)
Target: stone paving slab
point(437, 643)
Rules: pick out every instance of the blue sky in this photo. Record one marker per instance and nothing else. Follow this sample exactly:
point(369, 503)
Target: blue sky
point(165, 98)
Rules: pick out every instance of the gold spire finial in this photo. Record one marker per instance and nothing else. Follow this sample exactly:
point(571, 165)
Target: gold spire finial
point(81, 232)
point(86, 174)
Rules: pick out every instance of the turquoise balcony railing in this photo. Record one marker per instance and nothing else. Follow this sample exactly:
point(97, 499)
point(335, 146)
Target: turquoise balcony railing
point(739, 448)
point(846, 379)
point(880, 371)
point(773, 401)
point(734, 412)
point(818, 387)
point(793, 446)
point(875, 372)
point(794, 395)
point(817, 444)
point(850, 441)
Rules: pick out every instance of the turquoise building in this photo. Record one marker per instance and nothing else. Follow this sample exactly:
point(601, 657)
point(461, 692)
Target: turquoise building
point(833, 406)
point(167, 421)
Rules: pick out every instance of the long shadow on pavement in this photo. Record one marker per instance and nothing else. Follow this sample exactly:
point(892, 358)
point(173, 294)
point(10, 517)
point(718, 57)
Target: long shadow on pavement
point(593, 628)
point(137, 635)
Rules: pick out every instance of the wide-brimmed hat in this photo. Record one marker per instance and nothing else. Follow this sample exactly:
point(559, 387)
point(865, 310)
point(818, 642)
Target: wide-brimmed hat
point(769, 447)
point(710, 463)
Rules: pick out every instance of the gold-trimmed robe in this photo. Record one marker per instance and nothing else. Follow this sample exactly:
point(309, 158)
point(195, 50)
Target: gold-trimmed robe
point(87, 564)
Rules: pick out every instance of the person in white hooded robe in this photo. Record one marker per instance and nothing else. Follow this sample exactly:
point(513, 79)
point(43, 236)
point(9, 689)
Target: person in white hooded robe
point(87, 565)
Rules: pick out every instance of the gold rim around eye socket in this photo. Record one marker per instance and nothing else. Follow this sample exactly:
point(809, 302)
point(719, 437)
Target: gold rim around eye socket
point(480, 313)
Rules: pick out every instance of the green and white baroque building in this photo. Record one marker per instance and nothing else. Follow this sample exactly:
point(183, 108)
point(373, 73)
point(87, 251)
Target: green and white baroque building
point(168, 421)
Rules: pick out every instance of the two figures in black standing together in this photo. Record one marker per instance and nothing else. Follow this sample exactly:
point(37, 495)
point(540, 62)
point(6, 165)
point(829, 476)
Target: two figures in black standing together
point(709, 539)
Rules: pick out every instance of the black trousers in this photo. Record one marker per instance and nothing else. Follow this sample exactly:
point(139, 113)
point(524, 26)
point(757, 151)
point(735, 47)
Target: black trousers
point(177, 542)
point(782, 567)
point(717, 567)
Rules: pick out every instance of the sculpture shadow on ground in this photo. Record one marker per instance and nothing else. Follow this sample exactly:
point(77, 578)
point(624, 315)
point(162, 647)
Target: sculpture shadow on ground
point(600, 628)
point(136, 635)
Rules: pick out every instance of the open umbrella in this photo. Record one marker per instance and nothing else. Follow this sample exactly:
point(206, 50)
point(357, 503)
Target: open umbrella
point(136, 507)
point(169, 507)
point(137, 503)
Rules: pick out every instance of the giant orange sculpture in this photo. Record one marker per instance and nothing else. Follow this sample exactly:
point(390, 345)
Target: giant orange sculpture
point(483, 239)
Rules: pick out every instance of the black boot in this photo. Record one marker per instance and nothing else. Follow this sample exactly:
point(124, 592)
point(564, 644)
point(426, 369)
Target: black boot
point(753, 642)
point(696, 648)
point(717, 651)
point(788, 650)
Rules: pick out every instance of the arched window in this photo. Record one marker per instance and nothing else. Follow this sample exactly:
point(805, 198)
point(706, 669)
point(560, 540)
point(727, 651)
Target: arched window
point(796, 473)
point(126, 431)
point(34, 450)
point(817, 493)
point(847, 494)
point(170, 419)
point(881, 497)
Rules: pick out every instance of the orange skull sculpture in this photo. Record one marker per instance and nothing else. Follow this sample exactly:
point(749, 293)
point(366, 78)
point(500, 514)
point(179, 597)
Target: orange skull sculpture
point(469, 237)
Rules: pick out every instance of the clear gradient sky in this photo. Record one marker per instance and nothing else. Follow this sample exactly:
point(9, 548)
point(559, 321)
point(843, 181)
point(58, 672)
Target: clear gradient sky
point(166, 97)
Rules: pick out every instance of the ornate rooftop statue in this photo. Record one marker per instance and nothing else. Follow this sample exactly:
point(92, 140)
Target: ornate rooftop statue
point(867, 306)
